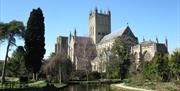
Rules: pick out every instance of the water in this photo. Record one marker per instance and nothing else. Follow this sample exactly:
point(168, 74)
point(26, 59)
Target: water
point(90, 87)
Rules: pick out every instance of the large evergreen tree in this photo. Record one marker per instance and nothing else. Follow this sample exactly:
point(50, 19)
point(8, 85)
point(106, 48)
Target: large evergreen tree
point(35, 41)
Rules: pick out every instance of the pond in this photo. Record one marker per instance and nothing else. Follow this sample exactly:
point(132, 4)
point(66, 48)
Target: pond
point(89, 87)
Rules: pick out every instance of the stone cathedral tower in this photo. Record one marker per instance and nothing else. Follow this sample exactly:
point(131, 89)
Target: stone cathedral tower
point(99, 25)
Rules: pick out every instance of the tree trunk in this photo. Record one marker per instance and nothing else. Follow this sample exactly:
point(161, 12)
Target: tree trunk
point(36, 76)
point(177, 77)
point(60, 75)
point(33, 76)
point(5, 62)
point(87, 77)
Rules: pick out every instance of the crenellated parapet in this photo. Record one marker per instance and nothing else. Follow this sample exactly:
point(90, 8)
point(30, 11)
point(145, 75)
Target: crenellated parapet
point(96, 11)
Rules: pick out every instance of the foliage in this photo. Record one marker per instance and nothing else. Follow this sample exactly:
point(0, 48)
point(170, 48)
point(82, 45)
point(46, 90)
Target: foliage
point(149, 70)
point(78, 75)
point(137, 79)
point(16, 64)
point(113, 68)
point(11, 30)
point(121, 57)
point(163, 68)
point(58, 68)
point(94, 75)
point(8, 31)
point(35, 41)
point(158, 68)
point(175, 64)
point(159, 73)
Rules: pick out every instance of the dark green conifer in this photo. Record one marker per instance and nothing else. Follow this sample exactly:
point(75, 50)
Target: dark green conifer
point(35, 41)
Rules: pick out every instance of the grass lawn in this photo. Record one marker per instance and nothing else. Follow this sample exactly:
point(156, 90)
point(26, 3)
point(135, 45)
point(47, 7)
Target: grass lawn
point(59, 85)
point(38, 84)
point(115, 88)
point(33, 84)
point(140, 82)
point(13, 84)
point(158, 86)
point(43, 84)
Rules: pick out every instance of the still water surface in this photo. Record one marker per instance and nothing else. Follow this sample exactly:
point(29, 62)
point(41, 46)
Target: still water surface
point(90, 87)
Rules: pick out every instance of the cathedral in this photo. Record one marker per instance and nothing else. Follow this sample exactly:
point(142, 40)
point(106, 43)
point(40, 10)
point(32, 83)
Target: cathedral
point(92, 52)
point(146, 50)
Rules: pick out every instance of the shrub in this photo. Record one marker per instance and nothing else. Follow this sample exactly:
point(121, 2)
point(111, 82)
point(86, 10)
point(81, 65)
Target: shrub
point(94, 75)
point(78, 75)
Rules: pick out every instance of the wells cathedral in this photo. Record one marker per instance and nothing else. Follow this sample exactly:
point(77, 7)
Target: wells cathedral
point(90, 52)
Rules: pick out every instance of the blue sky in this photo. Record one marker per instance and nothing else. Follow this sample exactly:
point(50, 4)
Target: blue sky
point(148, 18)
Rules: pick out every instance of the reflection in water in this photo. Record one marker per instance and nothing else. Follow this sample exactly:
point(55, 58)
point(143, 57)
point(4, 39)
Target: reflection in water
point(88, 87)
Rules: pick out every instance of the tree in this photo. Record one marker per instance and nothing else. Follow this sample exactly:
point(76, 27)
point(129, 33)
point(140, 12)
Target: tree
point(158, 68)
point(1, 66)
point(121, 54)
point(58, 68)
point(8, 31)
point(113, 68)
point(163, 67)
point(85, 51)
point(175, 64)
point(16, 64)
point(35, 42)
point(149, 71)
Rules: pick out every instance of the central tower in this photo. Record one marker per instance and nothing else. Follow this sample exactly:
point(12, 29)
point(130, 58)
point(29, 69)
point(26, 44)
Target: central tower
point(99, 25)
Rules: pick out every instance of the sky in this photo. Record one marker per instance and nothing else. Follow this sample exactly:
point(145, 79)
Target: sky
point(148, 18)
